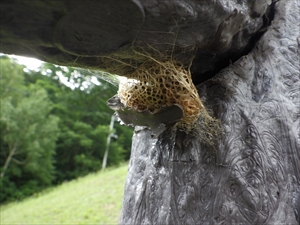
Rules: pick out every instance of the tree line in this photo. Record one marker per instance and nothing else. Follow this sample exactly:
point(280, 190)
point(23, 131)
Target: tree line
point(51, 133)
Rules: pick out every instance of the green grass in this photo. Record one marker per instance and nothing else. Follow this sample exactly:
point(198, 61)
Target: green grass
point(94, 199)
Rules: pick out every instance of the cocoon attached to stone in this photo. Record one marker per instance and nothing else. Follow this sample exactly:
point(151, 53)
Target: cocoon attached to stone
point(155, 85)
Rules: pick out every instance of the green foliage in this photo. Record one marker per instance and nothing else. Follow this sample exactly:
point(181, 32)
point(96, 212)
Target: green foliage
point(28, 133)
point(9, 191)
point(54, 132)
point(84, 127)
point(29, 128)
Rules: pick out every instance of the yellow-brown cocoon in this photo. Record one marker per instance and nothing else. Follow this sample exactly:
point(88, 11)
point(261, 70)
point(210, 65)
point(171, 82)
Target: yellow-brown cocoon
point(155, 85)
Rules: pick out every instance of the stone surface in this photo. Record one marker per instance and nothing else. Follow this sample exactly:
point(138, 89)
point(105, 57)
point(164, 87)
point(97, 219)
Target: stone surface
point(80, 34)
point(252, 175)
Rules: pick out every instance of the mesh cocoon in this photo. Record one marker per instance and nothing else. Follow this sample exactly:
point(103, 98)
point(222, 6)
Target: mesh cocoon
point(155, 85)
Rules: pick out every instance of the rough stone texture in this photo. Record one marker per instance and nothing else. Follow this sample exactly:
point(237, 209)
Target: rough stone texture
point(252, 175)
point(79, 33)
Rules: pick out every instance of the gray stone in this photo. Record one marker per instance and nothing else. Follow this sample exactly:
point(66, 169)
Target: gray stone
point(73, 33)
point(252, 175)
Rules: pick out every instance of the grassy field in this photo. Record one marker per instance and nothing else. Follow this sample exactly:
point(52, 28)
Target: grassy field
point(94, 199)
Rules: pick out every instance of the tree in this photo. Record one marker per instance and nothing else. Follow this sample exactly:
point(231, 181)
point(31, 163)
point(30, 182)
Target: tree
point(30, 134)
point(84, 120)
point(28, 131)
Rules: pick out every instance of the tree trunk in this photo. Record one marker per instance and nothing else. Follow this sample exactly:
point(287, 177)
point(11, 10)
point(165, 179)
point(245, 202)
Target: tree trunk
point(8, 160)
point(110, 134)
point(252, 175)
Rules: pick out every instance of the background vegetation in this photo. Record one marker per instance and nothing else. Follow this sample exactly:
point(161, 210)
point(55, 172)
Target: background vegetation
point(50, 132)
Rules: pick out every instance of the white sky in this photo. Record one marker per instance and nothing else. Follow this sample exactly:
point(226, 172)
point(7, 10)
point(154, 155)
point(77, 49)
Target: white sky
point(34, 64)
point(30, 63)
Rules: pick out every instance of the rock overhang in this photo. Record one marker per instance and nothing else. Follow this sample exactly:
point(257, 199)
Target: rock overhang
point(205, 36)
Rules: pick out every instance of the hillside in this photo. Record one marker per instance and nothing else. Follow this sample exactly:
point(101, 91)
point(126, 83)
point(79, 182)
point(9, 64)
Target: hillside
point(93, 199)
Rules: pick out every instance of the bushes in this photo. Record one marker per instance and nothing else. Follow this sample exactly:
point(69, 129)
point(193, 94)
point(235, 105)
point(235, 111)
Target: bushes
point(11, 192)
point(54, 132)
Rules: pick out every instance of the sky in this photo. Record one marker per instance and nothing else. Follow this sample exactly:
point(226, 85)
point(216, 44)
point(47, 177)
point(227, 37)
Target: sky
point(30, 63)
point(34, 64)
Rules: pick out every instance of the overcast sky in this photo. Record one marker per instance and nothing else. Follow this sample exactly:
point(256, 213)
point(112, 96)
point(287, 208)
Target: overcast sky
point(30, 63)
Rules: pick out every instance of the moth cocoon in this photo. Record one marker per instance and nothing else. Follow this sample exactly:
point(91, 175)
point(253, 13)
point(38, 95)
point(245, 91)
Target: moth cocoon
point(155, 85)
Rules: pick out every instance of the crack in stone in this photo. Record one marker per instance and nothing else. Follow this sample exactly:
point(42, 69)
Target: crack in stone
point(268, 17)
